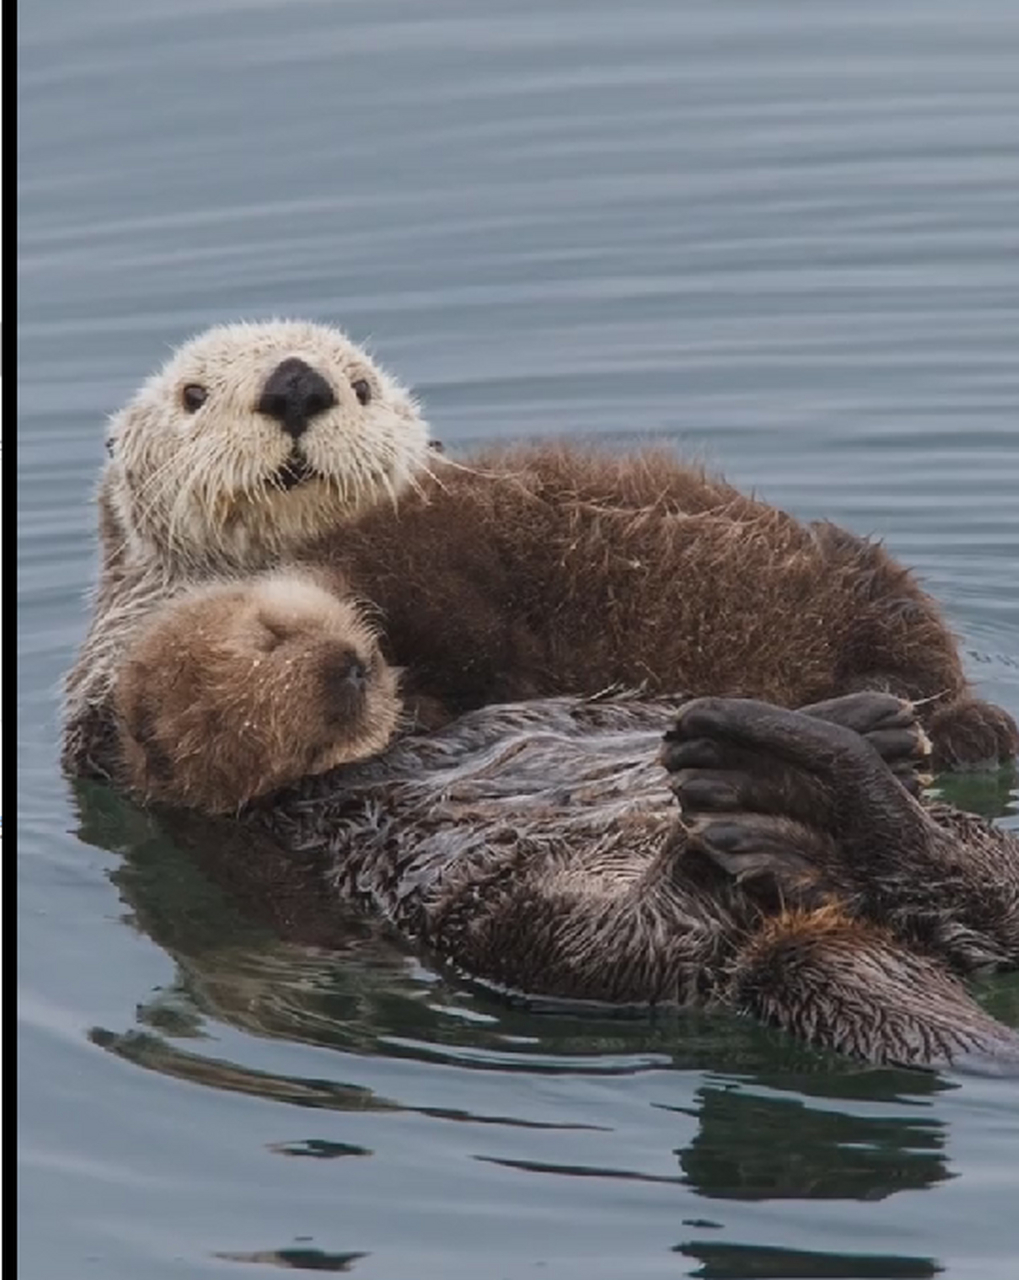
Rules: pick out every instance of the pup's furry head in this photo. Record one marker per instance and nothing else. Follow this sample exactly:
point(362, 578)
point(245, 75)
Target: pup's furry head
point(246, 687)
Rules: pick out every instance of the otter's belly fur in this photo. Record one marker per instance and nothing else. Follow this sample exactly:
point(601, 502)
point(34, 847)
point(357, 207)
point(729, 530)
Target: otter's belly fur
point(539, 846)
point(564, 794)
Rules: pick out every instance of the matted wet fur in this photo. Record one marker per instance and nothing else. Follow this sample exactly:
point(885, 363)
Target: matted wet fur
point(511, 574)
point(539, 846)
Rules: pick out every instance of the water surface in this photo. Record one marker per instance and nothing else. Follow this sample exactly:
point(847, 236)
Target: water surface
point(782, 237)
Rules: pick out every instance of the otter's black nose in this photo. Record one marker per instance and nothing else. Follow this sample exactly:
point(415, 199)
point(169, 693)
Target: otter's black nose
point(293, 394)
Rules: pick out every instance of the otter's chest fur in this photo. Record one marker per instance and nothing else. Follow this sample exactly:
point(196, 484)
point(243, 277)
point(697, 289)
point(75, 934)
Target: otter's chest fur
point(444, 833)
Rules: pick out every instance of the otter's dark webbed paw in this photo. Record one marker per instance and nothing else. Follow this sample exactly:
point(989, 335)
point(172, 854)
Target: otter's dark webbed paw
point(891, 726)
point(729, 765)
point(775, 797)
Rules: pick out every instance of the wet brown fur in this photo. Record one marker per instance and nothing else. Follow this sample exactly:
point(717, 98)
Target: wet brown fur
point(539, 846)
point(550, 570)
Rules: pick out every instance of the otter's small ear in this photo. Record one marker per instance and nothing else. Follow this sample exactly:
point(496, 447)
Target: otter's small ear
point(109, 445)
point(437, 445)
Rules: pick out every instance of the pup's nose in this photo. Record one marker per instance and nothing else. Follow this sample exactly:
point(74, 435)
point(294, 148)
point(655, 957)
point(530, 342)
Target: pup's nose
point(356, 674)
point(293, 394)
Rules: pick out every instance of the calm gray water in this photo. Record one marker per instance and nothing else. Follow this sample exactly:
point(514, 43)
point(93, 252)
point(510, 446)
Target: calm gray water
point(784, 236)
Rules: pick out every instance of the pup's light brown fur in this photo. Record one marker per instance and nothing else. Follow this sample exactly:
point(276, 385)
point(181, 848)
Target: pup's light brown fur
point(513, 574)
point(195, 682)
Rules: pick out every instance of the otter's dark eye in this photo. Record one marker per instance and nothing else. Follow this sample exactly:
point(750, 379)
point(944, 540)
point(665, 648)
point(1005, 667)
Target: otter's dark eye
point(362, 389)
point(193, 397)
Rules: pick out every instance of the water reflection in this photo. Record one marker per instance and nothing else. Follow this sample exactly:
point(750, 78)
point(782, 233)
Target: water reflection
point(992, 794)
point(756, 1262)
point(318, 1149)
point(754, 1147)
point(751, 1147)
point(297, 1259)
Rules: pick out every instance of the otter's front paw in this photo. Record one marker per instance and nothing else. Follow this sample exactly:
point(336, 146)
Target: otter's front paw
point(789, 802)
point(749, 812)
point(890, 724)
point(236, 690)
point(736, 753)
point(972, 734)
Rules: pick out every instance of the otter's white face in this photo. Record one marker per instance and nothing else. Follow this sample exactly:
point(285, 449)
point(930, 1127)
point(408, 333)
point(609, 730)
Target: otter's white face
point(256, 437)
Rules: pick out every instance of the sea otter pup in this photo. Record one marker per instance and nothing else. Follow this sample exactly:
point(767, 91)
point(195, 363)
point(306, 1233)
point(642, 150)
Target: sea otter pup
point(516, 574)
point(539, 846)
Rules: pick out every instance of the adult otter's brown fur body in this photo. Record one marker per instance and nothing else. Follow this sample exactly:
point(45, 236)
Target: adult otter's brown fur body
point(540, 846)
point(547, 570)
point(519, 574)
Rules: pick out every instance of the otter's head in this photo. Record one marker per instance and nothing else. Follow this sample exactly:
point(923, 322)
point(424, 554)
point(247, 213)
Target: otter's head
point(254, 438)
point(243, 688)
